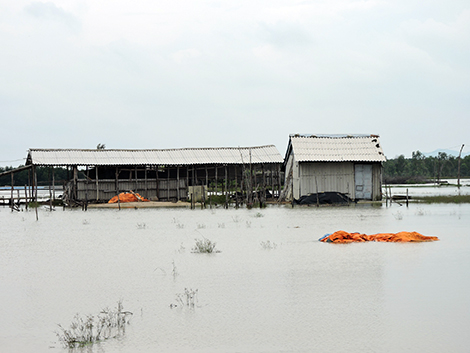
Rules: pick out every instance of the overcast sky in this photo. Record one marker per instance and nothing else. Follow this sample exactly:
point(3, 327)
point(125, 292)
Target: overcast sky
point(191, 73)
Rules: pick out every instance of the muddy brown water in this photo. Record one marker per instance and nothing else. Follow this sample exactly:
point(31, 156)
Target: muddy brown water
point(299, 296)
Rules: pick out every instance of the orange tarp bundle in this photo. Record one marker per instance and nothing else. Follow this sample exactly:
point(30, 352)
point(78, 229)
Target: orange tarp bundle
point(402, 237)
point(127, 197)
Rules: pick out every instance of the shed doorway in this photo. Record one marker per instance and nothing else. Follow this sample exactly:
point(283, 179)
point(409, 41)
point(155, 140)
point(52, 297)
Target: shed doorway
point(363, 181)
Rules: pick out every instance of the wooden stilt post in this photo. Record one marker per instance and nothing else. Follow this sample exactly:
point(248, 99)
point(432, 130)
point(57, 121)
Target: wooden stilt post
point(12, 202)
point(30, 183)
point(272, 182)
point(50, 191)
point(194, 182)
point(116, 180)
point(236, 186)
point(168, 182)
point(316, 187)
point(263, 196)
point(226, 188)
point(458, 167)
point(206, 186)
point(34, 190)
point(35, 186)
point(75, 181)
point(193, 204)
point(53, 184)
point(136, 185)
point(250, 196)
point(177, 183)
point(158, 183)
point(216, 177)
point(97, 184)
point(187, 181)
point(25, 197)
point(86, 184)
point(146, 186)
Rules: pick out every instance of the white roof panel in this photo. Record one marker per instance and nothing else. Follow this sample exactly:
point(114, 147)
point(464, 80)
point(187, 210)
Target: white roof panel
point(337, 149)
point(183, 156)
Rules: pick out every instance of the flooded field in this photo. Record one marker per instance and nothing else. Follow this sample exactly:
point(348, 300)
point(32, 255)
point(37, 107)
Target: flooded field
point(432, 189)
point(293, 294)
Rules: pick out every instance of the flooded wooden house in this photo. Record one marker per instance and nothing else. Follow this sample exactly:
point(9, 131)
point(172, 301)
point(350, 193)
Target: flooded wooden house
point(96, 175)
point(348, 164)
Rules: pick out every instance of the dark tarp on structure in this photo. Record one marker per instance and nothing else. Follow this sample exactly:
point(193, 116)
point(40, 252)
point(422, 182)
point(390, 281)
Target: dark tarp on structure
point(324, 198)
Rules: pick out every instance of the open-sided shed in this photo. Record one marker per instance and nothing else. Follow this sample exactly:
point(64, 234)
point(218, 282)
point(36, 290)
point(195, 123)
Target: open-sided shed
point(162, 174)
point(349, 164)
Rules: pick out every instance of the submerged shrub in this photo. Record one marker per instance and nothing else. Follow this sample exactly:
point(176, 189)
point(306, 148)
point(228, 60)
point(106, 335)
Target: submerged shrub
point(268, 245)
point(204, 245)
point(83, 331)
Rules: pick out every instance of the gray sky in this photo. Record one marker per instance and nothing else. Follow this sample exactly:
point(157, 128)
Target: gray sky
point(191, 73)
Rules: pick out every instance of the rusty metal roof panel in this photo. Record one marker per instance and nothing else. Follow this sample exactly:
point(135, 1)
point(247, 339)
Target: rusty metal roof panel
point(183, 156)
point(364, 148)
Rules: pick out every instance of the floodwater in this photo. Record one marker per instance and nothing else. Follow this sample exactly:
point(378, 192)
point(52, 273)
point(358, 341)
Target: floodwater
point(432, 189)
point(301, 295)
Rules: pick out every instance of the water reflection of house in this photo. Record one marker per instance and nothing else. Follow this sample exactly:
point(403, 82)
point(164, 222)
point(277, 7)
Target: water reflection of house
point(349, 164)
point(164, 174)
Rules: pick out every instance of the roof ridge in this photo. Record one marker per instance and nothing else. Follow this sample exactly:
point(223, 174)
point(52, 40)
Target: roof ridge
point(150, 149)
point(334, 136)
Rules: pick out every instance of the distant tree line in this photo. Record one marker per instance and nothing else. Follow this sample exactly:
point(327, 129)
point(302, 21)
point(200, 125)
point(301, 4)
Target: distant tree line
point(44, 175)
point(420, 168)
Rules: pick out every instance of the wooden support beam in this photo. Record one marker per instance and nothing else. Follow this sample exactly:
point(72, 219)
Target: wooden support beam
point(16, 170)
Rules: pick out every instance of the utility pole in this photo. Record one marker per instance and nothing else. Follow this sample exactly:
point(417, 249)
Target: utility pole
point(458, 172)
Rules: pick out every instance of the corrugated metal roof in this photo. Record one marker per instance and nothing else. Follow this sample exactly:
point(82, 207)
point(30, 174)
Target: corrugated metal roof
point(310, 148)
point(183, 156)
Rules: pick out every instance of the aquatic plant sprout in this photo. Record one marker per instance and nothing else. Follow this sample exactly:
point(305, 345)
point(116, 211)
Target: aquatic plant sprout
point(187, 298)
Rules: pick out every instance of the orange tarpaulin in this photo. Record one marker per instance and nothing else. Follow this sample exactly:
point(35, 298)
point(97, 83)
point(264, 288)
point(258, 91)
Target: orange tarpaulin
point(127, 197)
point(402, 237)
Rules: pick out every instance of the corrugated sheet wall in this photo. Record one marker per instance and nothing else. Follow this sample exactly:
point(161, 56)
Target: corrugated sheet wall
point(376, 182)
point(323, 177)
